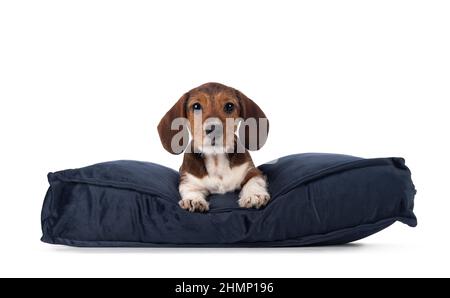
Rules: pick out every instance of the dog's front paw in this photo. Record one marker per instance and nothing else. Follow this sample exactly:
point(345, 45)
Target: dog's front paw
point(254, 200)
point(194, 204)
point(254, 194)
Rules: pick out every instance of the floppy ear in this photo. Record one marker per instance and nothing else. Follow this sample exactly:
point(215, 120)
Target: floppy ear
point(253, 117)
point(173, 129)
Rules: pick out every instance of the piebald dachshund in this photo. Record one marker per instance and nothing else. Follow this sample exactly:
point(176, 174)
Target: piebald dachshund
point(216, 161)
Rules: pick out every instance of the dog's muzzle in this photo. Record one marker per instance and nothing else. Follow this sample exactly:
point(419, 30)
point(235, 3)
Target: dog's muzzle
point(215, 130)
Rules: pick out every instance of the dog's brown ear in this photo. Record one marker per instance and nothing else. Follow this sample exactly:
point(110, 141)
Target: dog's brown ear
point(173, 129)
point(253, 132)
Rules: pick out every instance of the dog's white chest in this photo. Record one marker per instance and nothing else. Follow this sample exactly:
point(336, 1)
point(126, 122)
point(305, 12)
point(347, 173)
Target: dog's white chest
point(221, 177)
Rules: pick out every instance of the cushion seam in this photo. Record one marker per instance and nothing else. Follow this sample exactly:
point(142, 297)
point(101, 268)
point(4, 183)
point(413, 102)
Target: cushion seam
point(366, 163)
point(331, 233)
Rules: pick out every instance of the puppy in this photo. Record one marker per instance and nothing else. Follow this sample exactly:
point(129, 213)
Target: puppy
point(216, 161)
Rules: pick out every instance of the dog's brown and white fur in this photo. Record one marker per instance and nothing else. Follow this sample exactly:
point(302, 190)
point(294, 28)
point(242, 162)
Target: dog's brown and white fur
point(210, 168)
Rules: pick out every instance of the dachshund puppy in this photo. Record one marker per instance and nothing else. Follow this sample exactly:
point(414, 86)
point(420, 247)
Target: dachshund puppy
point(216, 161)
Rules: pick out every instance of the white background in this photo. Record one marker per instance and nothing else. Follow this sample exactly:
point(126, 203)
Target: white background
point(87, 81)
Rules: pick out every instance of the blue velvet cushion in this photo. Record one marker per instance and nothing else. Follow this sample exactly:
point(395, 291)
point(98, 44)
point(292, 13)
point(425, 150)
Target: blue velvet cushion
point(317, 199)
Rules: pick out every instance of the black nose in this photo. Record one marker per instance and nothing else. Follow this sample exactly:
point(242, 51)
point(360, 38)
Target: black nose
point(210, 129)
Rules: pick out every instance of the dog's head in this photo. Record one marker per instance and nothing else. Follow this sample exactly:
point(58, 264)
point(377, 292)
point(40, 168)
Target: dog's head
point(212, 113)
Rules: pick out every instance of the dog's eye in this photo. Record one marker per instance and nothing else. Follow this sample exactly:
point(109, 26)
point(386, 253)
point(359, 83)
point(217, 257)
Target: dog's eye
point(196, 106)
point(229, 107)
